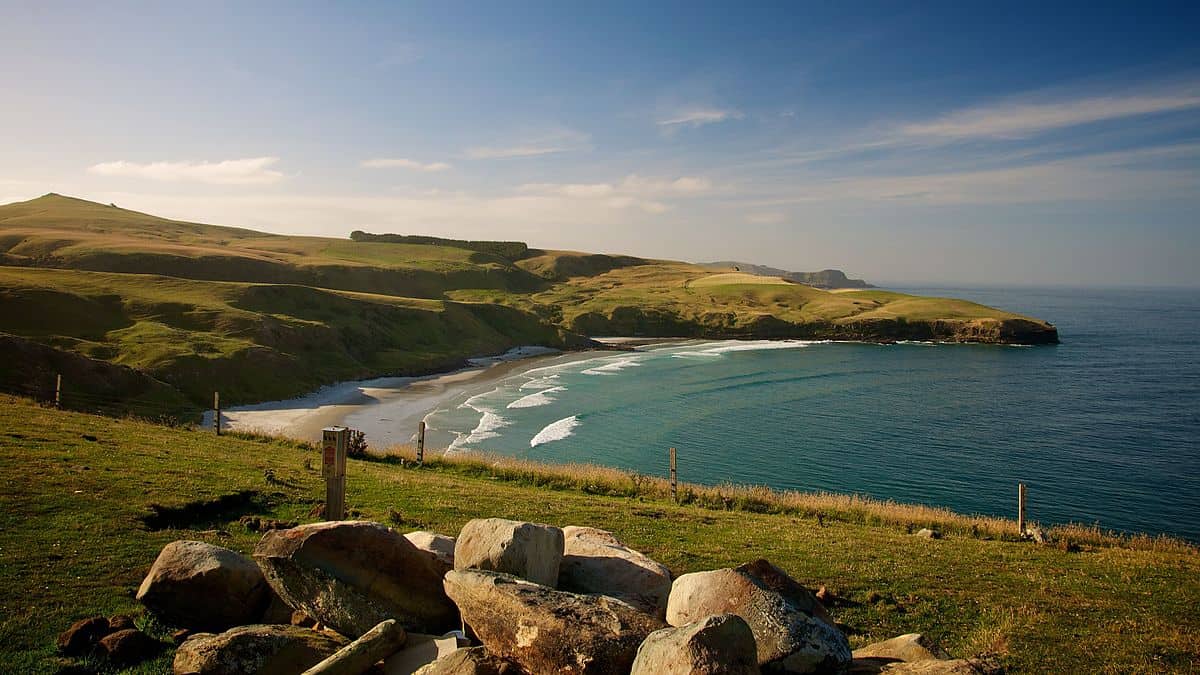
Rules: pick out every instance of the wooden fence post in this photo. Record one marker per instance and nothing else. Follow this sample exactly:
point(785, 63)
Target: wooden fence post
point(674, 479)
point(217, 412)
point(333, 469)
point(421, 443)
point(58, 391)
point(1021, 508)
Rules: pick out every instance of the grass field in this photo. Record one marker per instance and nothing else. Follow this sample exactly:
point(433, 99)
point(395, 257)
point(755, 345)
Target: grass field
point(76, 489)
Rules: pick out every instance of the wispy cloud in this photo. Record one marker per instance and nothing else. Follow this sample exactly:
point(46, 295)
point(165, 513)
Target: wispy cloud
point(697, 117)
point(634, 191)
point(562, 140)
point(401, 163)
point(1019, 120)
point(250, 171)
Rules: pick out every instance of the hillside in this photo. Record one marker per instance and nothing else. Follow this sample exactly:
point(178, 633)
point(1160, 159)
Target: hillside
point(196, 308)
point(76, 536)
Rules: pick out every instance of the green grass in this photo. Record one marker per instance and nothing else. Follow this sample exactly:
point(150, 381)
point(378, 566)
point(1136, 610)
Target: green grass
point(72, 544)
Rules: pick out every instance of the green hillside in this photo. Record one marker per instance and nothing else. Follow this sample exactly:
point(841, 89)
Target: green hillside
point(75, 540)
point(198, 308)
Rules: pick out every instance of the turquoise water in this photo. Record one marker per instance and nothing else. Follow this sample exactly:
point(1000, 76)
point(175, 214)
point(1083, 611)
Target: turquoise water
point(1102, 428)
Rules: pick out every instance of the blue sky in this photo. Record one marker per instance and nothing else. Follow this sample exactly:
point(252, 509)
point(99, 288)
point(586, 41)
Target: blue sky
point(945, 142)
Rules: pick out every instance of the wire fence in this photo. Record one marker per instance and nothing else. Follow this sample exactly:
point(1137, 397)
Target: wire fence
point(50, 392)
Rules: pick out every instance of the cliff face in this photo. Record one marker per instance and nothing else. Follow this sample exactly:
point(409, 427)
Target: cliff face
point(634, 321)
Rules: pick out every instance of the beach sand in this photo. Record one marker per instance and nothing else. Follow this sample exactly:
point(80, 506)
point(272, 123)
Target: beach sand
point(409, 398)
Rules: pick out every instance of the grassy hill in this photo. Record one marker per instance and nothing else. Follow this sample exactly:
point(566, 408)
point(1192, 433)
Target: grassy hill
point(77, 535)
point(198, 308)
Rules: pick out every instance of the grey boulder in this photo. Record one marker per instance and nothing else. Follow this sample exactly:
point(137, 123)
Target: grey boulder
point(527, 550)
point(197, 585)
point(549, 631)
point(595, 561)
point(255, 650)
point(352, 575)
point(716, 645)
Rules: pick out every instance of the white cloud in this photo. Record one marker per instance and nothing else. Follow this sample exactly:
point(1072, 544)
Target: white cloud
point(561, 140)
point(401, 163)
point(698, 117)
point(634, 191)
point(1019, 120)
point(251, 171)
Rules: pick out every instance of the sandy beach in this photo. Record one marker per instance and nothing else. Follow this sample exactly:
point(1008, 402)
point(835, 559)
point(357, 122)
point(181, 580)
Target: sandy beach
point(409, 398)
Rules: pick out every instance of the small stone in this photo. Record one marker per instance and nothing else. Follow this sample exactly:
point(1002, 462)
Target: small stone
point(82, 636)
point(926, 533)
point(129, 646)
point(120, 622)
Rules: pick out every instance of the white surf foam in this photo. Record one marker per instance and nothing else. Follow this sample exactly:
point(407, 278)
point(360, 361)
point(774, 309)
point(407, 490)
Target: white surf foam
point(536, 399)
point(489, 423)
point(555, 431)
point(541, 382)
point(612, 367)
point(747, 346)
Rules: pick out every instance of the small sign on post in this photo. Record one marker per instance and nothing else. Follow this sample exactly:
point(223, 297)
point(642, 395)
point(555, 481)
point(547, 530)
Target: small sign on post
point(1021, 508)
point(217, 412)
point(421, 443)
point(674, 477)
point(334, 441)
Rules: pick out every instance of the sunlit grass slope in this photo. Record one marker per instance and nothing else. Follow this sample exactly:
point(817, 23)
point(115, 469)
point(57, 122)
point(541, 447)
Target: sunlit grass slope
point(73, 542)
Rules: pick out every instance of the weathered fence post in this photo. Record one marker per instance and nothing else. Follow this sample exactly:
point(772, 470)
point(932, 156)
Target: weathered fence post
point(674, 477)
point(333, 470)
point(1021, 508)
point(58, 391)
point(421, 443)
point(217, 412)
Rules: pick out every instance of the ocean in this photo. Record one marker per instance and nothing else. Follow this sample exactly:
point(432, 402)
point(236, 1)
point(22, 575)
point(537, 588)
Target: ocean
point(1103, 428)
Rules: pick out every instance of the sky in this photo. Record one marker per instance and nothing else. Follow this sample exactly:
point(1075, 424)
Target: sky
point(958, 142)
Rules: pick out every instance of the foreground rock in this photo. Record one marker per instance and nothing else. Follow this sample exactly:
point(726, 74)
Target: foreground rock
point(595, 561)
point(200, 586)
point(255, 650)
point(715, 645)
point(439, 547)
point(83, 636)
point(549, 631)
point(526, 550)
point(352, 575)
point(129, 646)
point(473, 661)
point(934, 667)
point(791, 629)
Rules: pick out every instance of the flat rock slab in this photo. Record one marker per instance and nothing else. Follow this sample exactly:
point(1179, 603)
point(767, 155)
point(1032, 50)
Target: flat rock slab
point(791, 628)
point(549, 631)
point(255, 650)
point(595, 561)
point(716, 645)
point(527, 550)
point(352, 575)
point(196, 585)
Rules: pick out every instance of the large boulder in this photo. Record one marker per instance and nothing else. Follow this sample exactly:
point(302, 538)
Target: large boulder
point(595, 561)
point(527, 550)
point(472, 661)
point(438, 547)
point(352, 575)
point(549, 631)
point(715, 645)
point(255, 650)
point(791, 628)
point(200, 586)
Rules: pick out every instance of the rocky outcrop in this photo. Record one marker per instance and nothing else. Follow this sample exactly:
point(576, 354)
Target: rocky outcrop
point(526, 550)
point(595, 561)
point(716, 645)
point(352, 575)
point(549, 631)
point(200, 586)
point(255, 650)
point(791, 628)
